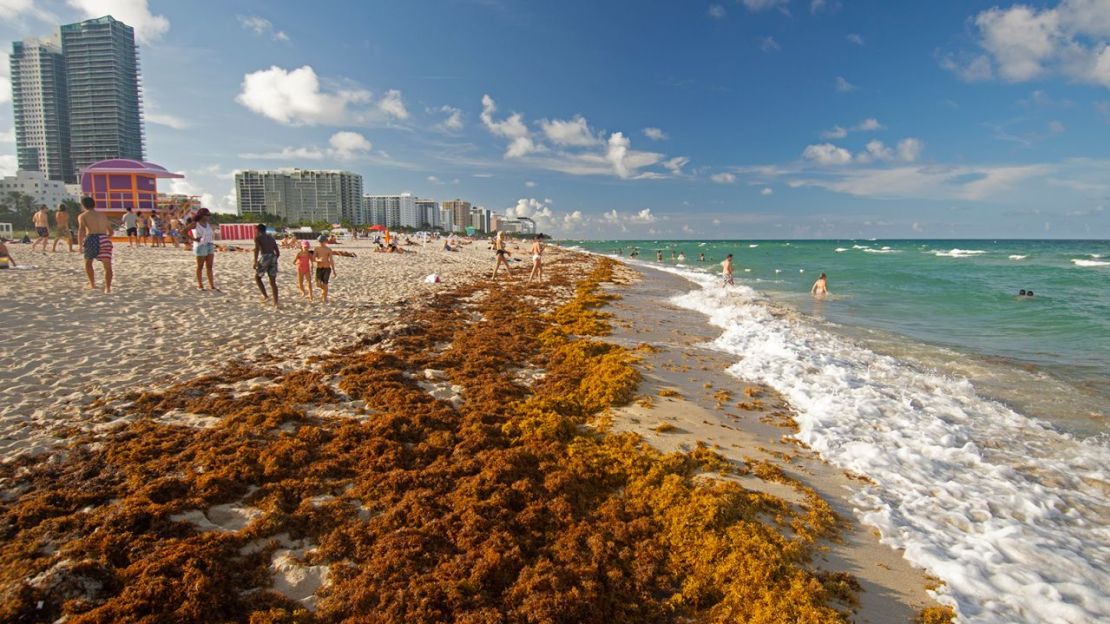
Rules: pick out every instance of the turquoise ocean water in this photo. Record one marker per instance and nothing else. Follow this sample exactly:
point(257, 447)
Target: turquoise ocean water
point(947, 304)
point(981, 417)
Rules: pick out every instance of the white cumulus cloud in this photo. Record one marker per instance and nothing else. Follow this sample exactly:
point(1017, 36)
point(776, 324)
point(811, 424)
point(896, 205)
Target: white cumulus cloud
point(512, 128)
point(574, 131)
point(655, 134)
point(295, 97)
point(827, 154)
point(392, 105)
point(346, 145)
point(723, 178)
point(1023, 43)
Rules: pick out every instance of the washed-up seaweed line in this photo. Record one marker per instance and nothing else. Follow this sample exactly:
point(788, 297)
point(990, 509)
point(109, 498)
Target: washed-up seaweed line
point(511, 506)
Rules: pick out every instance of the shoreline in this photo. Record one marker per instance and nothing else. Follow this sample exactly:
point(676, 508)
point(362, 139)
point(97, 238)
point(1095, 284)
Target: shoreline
point(283, 487)
point(753, 423)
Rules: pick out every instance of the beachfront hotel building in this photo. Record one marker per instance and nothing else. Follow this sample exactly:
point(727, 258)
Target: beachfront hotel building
point(428, 212)
point(41, 109)
point(34, 184)
point(480, 219)
point(104, 91)
point(392, 211)
point(460, 213)
point(297, 195)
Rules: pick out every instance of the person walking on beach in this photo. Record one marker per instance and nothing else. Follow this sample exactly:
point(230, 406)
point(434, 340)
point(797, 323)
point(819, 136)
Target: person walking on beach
point(266, 254)
point(41, 221)
point(726, 270)
point(61, 228)
point(304, 261)
point(820, 287)
point(130, 222)
point(205, 249)
point(502, 256)
point(325, 266)
point(537, 258)
point(95, 233)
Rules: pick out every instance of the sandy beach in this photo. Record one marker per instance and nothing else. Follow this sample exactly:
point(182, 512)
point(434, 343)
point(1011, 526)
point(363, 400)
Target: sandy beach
point(66, 345)
point(468, 451)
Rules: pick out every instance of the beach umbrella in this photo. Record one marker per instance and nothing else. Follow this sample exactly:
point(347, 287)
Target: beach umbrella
point(377, 228)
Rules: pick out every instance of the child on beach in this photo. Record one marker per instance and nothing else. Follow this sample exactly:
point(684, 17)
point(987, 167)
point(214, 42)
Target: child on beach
point(325, 266)
point(304, 261)
point(726, 270)
point(6, 259)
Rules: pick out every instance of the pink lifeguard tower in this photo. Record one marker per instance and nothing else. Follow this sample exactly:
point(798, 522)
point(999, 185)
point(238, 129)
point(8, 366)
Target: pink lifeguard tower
point(119, 183)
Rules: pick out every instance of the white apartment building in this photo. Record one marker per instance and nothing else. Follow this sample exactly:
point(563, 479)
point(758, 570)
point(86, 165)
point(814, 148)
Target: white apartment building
point(301, 195)
point(392, 211)
point(428, 211)
point(36, 185)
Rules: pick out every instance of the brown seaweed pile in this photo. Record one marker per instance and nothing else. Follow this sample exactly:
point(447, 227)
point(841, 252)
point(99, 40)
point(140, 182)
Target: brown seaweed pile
point(507, 508)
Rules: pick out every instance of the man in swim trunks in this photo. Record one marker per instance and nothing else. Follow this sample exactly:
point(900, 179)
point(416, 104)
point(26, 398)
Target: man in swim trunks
point(41, 219)
point(95, 232)
point(325, 265)
point(266, 254)
point(61, 227)
point(130, 221)
point(726, 270)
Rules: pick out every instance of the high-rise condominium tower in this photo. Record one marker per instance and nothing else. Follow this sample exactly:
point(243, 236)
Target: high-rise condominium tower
point(40, 104)
point(105, 92)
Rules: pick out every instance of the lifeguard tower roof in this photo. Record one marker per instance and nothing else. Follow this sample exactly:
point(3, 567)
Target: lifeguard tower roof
point(120, 183)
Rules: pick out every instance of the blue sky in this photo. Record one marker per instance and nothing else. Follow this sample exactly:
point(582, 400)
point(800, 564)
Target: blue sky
point(748, 119)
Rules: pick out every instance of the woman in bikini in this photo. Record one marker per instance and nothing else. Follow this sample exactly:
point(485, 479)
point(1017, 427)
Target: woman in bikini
point(537, 258)
point(502, 256)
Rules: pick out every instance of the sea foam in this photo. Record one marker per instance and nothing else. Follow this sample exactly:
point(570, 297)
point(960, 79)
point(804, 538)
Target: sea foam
point(1089, 263)
point(1007, 511)
point(958, 253)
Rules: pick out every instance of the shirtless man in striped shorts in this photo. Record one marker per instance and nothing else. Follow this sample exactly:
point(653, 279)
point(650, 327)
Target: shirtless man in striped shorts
point(95, 233)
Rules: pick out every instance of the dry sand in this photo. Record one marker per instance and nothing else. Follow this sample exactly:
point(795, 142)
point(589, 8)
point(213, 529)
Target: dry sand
point(63, 345)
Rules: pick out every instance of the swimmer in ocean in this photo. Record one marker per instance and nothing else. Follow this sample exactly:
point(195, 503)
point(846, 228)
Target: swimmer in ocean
point(820, 287)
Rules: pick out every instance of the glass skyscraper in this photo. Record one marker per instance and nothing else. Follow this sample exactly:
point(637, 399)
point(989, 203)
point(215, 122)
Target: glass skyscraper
point(41, 109)
point(105, 92)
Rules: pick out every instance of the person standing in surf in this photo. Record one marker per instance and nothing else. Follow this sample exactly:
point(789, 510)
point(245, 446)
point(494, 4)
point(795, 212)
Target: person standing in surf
point(820, 287)
point(726, 270)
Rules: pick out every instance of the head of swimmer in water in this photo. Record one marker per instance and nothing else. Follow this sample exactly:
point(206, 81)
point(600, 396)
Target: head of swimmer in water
point(1021, 293)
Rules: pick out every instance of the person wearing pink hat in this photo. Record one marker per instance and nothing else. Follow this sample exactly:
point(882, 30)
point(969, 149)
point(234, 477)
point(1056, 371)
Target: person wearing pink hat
point(304, 261)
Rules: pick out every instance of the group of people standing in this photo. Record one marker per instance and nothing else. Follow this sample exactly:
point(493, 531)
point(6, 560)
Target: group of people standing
point(94, 231)
point(502, 254)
